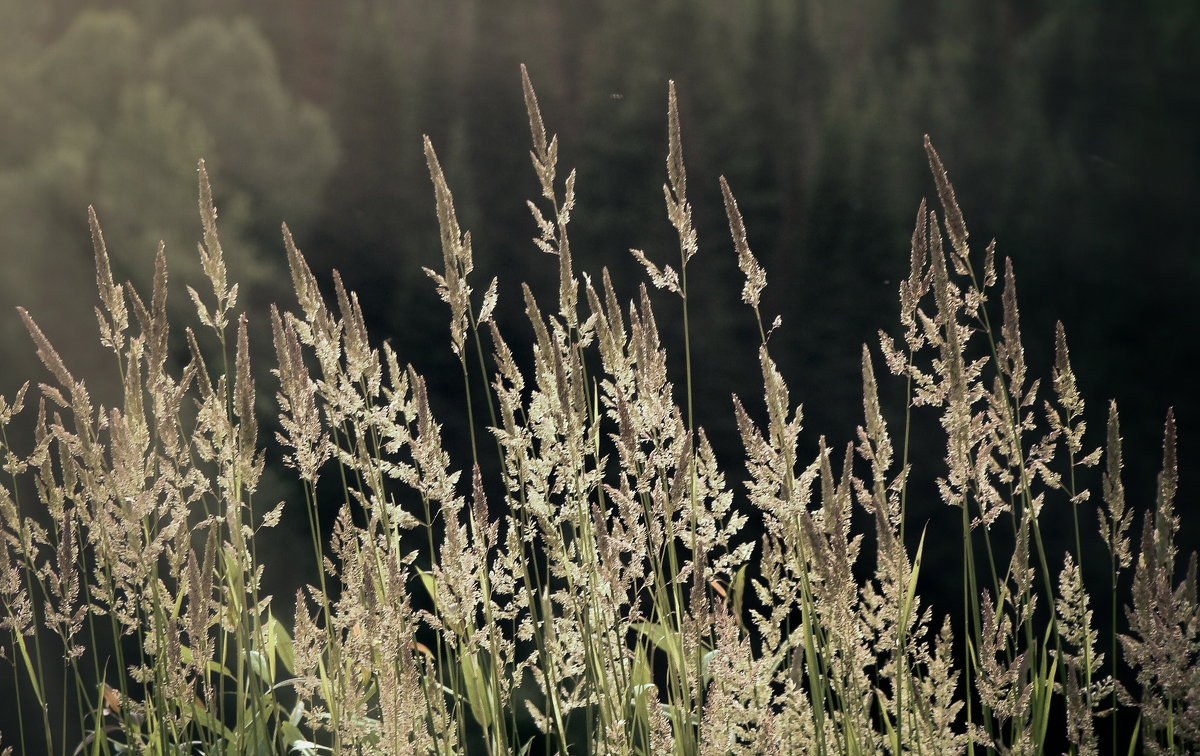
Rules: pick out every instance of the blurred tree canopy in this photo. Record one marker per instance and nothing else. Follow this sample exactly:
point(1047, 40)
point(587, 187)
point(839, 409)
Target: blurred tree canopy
point(111, 113)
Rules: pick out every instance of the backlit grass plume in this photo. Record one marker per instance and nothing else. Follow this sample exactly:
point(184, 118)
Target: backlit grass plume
point(613, 589)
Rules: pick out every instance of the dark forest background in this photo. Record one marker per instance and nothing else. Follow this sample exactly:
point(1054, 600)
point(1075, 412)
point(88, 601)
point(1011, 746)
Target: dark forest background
point(1071, 130)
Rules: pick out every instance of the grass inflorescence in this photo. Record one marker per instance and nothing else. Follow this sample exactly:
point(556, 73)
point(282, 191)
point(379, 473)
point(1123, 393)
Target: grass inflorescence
point(623, 596)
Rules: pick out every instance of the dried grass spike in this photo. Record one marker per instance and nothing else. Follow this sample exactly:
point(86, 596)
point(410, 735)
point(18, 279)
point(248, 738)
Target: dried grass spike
point(1166, 522)
point(1011, 350)
point(1065, 384)
point(876, 425)
point(676, 173)
point(1115, 522)
point(456, 254)
point(158, 321)
point(920, 236)
point(955, 226)
point(211, 255)
point(303, 280)
point(46, 351)
point(1169, 482)
point(243, 391)
point(756, 277)
point(536, 127)
point(666, 278)
point(206, 386)
point(110, 294)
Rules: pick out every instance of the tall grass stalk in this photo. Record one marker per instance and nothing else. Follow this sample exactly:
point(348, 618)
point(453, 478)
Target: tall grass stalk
point(606, 593)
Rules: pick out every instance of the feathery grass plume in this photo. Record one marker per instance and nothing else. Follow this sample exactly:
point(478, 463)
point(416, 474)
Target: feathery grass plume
point(993, 468)
point(18, 607)
point(912, 291)
point(1163, 645)
point(599, 603)
point(380, 428)
point(63, 612)
point(679, 210)
point(299, 419)
point(46, 352)
point(304, 283)
point(456, 255)
point(1011, 353)
point(1085, 689)
point(890, 606)
point(875, 445)
point(18, 616)
point(126, 489)
point(249, 460)
point(1067, 421)
point(955, 226)
point(552, 232)
point(756, 277)
point(1066, 388)
point(1114, 520)
point(1116, 517)
point(112, 327)
point(212, 261)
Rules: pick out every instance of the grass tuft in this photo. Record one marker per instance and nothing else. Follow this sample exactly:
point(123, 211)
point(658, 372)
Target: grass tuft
point(617, 594)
